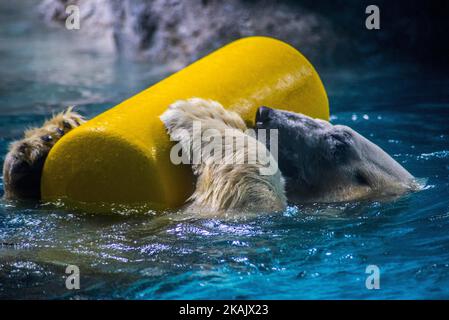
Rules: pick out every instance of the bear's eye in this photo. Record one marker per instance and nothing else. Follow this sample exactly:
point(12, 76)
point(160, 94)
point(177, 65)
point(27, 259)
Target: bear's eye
point(338, 141)
point(341, 136)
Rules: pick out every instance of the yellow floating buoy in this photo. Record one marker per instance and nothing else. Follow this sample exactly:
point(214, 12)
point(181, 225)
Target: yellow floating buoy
point(123, 155)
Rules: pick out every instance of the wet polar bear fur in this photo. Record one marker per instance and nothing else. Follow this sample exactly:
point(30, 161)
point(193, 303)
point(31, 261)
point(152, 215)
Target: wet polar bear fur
point(231, 183)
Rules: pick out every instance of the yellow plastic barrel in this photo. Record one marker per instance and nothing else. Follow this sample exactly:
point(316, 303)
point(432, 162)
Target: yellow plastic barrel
point(122, 156)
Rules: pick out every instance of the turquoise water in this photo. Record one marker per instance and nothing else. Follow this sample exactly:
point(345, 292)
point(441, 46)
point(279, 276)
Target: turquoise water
point(308, 252)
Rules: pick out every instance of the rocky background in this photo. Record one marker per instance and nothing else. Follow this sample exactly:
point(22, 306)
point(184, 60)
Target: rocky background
point(330, 33)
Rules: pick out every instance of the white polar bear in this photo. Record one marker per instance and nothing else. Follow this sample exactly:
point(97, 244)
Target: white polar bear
point(320, 161)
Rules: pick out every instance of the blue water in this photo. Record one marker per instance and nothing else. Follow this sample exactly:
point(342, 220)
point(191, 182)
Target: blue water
point(308, 252)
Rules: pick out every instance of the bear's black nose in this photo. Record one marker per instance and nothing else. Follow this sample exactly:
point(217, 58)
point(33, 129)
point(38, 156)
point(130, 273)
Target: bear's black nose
point(263, 114)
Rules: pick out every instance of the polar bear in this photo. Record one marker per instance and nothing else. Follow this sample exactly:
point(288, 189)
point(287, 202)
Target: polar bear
point(322, 162)
point(318, 161)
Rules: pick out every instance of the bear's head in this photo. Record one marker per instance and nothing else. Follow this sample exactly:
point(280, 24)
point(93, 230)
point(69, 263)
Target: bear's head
point(327, 163)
